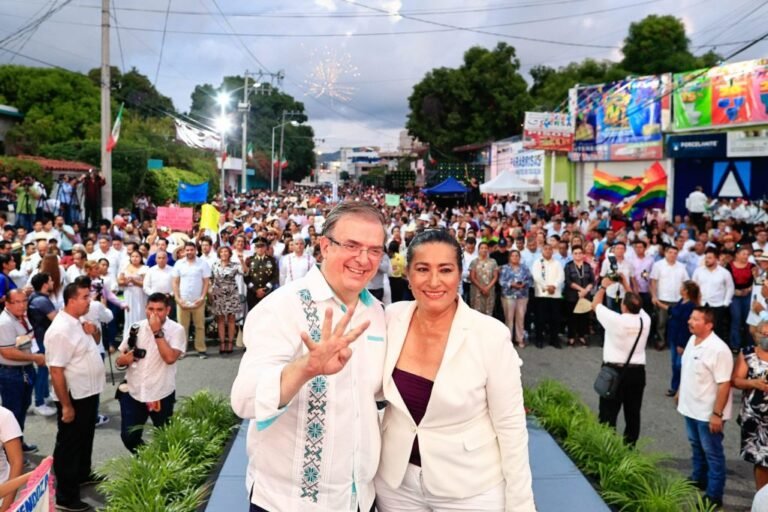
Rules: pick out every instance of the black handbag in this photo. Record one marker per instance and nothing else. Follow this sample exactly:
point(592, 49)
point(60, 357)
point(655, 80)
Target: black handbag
point(608, 379)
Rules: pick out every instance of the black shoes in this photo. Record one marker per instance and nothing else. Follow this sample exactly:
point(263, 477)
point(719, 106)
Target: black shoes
point(75, 506)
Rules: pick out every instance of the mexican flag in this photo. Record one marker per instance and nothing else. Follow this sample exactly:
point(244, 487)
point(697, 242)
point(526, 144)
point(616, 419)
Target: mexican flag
point(115, 135)
point(224, 155)
point(431, 160)
point(281, 165)
point(249, 150)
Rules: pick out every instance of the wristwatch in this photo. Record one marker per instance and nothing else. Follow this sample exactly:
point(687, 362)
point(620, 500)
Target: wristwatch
point(159, 334)
point(718, 414)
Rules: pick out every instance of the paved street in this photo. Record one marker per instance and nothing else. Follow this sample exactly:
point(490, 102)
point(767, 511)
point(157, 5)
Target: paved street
point(662, 426)
point(215, 373)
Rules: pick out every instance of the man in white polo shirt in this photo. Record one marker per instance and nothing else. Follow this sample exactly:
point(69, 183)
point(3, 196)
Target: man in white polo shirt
point(191, 278)
point(622, 330)
point(151, 378)
point(704, 399)
point(717, 288)
point(77, 373)
point(159, 279)
point(667, 277)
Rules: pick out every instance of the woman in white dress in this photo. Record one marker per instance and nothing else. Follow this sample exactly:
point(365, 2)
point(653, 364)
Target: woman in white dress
point(131, 278)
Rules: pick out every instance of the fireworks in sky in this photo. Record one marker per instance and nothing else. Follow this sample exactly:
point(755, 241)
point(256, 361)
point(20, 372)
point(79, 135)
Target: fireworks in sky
point(329, 74)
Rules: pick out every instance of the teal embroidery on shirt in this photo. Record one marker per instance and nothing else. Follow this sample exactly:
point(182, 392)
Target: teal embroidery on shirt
point(376, 338)
point(316, 411)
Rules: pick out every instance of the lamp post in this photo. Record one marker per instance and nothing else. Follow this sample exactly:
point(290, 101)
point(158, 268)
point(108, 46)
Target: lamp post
point(222, 125)
point(272, 153)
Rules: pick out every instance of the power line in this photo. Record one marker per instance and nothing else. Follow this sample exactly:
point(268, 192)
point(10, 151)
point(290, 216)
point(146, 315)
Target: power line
point(113, 14)
point(736, 22)
point(162, 42)
point(485, 32)
point(350, 14)
point(245, 47)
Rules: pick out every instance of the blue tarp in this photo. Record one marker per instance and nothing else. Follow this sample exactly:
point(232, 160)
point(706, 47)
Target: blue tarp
point(450, 186)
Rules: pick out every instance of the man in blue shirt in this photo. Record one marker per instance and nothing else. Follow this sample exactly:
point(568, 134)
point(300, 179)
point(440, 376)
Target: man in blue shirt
point(7, 264)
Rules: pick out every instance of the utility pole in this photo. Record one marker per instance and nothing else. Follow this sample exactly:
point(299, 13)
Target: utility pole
point(106, 114)
point(245, 107)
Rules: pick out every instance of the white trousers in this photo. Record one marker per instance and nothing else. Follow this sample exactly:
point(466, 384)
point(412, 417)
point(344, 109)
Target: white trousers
point(412, 496)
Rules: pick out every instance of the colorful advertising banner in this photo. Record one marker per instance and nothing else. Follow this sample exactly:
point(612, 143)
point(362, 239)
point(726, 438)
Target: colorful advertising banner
point(550, 131)
point(730, 95)
point(619, 121)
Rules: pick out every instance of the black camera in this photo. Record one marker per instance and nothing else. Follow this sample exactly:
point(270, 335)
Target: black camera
point(613, 274)
point(138, 353)
point(98, 289)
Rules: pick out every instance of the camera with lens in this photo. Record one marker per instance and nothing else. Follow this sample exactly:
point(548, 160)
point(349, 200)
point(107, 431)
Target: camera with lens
point(98, 289)
point(613, 273)
point(138, 353)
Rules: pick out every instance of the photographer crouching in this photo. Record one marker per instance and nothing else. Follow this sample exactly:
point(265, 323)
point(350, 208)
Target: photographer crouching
point(150, 352)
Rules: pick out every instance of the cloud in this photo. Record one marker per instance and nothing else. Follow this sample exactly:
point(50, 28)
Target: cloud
point(388, 65)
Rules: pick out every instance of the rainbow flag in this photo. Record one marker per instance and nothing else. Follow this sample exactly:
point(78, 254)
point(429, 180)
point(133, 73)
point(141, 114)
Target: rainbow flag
point(612, 188)
point(653, 193)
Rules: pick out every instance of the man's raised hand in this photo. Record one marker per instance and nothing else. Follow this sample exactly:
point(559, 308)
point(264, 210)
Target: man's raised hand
point(331, 353)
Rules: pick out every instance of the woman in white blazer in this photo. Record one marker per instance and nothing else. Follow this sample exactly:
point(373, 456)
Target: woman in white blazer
point(454, 434)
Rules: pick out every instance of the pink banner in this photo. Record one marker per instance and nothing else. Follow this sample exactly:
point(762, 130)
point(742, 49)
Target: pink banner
point(178, 219)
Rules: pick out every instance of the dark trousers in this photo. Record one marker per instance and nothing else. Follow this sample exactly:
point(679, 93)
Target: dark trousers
point(648, 307)
point(16, 385)
point(92, 213)
point(578, 325)
point(530, 312)
point(134, 414)
point(74, 447)
point(630, 397)
point(398, 285)
point(547, 316)
point(465, 288)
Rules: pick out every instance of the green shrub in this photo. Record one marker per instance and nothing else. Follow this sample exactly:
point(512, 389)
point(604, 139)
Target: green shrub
point(164, 184)
point(628, 478)
point(168, 473)
point(16, 168)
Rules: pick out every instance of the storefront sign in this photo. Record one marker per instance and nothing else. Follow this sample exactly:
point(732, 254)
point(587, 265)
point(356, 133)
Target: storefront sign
point(710, 145)
point(549, 131)
point(743, 143)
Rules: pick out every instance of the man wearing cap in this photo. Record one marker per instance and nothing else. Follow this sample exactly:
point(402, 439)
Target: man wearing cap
point(296, 264)
point(263, 275)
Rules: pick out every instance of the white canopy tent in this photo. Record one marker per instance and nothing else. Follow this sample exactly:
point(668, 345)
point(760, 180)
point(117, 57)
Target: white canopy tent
point(508, 183)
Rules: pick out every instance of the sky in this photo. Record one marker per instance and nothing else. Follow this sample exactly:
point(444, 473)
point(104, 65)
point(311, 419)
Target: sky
point(374, 50)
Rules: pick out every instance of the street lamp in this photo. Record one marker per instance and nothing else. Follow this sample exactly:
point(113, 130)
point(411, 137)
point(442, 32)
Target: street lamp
point(222, 125)
point(280, 161)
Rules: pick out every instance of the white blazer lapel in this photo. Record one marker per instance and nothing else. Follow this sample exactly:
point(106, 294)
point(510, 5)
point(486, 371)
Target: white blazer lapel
point(458, 333)
point(396, 332)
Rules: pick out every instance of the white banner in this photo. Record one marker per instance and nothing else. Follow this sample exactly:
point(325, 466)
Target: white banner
point(742, 143)
point(37, 496)
point(197, 137)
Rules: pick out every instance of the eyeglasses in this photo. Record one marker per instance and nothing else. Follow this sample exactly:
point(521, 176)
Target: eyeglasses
point(356, 249)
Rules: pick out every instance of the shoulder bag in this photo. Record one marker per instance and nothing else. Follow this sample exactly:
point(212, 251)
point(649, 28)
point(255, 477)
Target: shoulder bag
point(608, 379)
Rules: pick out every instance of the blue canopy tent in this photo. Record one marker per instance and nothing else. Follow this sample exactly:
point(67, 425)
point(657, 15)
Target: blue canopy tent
point(451, 186)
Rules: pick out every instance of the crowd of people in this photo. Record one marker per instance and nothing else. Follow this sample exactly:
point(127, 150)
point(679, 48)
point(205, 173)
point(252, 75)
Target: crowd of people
point(539, 268)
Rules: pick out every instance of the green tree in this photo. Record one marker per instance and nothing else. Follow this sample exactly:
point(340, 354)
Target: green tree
point(484, 99)
point(550, 86)
point(136, 91)
point(658, 44)
point(58, 105)
point(266, 113)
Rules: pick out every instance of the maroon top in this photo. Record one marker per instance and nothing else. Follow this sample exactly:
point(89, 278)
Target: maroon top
point(742, 277)
point(415, 391)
